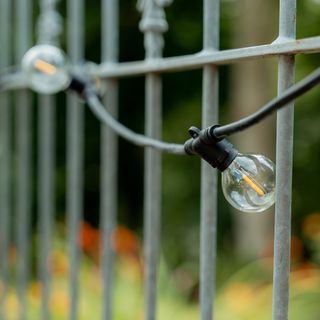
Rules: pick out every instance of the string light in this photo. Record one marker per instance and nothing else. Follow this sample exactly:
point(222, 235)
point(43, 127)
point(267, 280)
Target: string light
point(248, 181)
point(46, 70)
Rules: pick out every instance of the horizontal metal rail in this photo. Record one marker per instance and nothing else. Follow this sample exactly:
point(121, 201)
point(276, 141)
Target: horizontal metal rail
point(281, 46)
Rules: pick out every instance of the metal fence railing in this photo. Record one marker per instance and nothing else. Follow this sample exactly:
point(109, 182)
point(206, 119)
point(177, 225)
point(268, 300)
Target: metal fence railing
point(19, 120)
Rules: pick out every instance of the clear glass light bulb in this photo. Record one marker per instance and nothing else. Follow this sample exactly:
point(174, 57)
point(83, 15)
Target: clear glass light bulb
point(45, 68)
point(248, 183)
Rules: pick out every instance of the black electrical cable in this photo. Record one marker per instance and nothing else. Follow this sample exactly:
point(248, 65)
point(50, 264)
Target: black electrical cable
point(214, 132)
point(289, 95)
point(98, 109)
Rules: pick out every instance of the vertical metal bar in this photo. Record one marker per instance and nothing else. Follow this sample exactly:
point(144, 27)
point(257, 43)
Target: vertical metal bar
point(48, 29)
point(46, 117)
point(210, 104)
point(75, 146)
point(109, 154)
point(23, 196)
point(5, 195)
point(285, 120)
point(5, 156)
point(74, 195)
point(152, 193)
point(23, 129)
point(153, 24)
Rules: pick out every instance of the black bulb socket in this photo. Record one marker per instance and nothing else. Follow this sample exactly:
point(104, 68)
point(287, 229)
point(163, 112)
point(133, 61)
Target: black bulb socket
point(219, 153)
point(78, 85)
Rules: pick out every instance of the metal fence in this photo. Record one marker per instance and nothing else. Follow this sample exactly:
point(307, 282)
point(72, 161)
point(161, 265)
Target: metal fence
point(19, 120)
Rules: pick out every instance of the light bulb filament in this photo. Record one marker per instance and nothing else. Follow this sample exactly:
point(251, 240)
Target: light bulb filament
point(253, 185)
point(45, 67)
point(249, 181)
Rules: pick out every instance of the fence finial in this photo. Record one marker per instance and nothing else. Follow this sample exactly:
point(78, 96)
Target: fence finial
point(153, 24)
point(49, 24)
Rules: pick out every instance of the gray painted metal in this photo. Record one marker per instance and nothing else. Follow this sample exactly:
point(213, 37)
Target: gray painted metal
point(188, 62)
point(109, 155)
point(108, 196)
point(49, 28)
point(75, 153)
point(46, 161)
point(23, 129)
point(285, 121)
point(152, 195)
point(23, 117)
point(74, 195)
point(282, 234)
point(153, 24)
point(49, 23)
point(5, 195)
point(5, 155)
point(209, 206)
point(198, 60)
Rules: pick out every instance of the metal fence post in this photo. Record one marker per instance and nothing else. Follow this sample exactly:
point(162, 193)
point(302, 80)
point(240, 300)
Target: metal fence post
point(109, 155)
point(5, 156)
point(46, 157)
point(210, 104)
point(46, 206)
point(23, 128)
point(75, 153)
point(281, 271)
point(153, 25)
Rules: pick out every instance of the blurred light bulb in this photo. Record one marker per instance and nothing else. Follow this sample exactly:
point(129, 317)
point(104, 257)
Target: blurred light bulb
point(249, 183)
point(45, 68)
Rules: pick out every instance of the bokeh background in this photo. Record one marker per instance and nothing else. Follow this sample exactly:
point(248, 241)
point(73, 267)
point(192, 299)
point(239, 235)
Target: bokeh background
point(245, 241)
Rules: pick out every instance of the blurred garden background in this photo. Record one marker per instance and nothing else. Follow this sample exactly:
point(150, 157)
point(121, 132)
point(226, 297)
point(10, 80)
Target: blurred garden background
point(245, 241)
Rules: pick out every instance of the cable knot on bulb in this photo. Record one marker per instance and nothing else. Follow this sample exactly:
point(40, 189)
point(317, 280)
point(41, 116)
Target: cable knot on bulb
point(219, 153)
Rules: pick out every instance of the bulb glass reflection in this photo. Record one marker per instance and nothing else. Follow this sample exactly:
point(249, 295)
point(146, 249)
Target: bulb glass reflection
point(45, 68)
point(248, 183)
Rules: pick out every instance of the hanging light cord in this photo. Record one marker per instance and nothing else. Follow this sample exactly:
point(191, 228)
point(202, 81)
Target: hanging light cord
point(138, 139)
point(217, 132)
point(277, 103)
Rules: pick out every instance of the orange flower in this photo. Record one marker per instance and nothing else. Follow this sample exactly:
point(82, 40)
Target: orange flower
point(89, 239)
point(125, 242)
point(311, 225)
point(128, 247)
point(12, 254)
